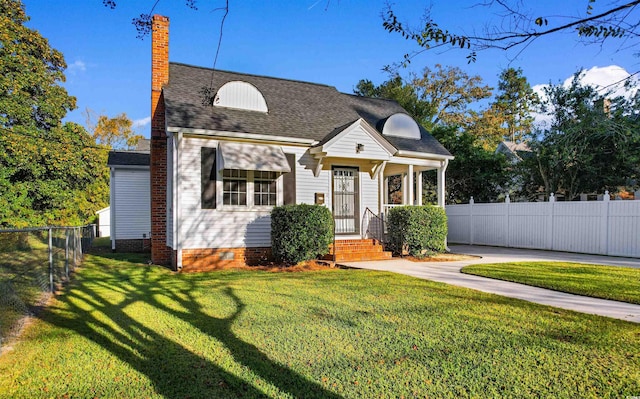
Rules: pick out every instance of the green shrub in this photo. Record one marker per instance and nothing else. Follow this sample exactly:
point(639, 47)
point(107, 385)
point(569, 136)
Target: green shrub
point(418, 230)
point(300, 232)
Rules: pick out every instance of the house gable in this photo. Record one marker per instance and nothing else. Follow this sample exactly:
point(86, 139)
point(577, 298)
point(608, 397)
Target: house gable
point(356, 141)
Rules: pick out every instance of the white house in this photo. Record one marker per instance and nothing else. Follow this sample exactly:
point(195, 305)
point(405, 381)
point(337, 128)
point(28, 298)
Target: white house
point(217, 170)
point(513, 151)
point(130, 200)
point(104, 222)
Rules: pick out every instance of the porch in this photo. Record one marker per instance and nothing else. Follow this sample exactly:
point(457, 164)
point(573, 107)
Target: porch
point(362, 235)
point(370, 173)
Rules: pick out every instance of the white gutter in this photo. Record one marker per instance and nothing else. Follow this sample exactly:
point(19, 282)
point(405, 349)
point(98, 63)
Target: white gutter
point(415, 154)
point(239, 135)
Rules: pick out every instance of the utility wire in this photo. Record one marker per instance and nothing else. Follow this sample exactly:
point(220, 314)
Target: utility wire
point(619, 81)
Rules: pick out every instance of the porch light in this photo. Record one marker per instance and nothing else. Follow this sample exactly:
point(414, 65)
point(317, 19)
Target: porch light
point(359, 148)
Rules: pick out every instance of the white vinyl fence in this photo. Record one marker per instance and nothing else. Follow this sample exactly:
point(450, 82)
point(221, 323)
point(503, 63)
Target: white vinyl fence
point(593, 227)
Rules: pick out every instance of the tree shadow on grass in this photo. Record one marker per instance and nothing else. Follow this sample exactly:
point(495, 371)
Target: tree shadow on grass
point(175, 370)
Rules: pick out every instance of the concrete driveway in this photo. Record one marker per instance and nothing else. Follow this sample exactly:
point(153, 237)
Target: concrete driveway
point(449, 272)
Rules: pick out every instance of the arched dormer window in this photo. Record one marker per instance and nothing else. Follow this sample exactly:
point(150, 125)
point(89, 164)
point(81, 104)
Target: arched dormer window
point(401, 125)
point(240, 95)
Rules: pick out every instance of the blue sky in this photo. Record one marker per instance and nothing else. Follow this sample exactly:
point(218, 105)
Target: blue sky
point(336, 43)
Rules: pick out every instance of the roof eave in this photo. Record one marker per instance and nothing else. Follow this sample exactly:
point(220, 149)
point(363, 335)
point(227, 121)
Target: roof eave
point(426, 155)
point(241, 135)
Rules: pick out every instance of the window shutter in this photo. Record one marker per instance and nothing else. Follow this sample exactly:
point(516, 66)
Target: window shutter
point(208, 177)
point(289, 181)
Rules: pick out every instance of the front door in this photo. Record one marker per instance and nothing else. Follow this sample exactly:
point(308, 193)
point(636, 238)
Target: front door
point(345, 200)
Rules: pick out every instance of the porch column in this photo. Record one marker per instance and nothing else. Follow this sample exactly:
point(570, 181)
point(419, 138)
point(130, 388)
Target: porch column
point(419, 187)
point(441, 182)
point(382, 190)
point(405, 191)
point(410, 185)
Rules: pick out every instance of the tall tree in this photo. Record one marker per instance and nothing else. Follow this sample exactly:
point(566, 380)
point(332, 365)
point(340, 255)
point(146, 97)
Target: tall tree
point(474, 172)
point(115, 133)
point(515, 102)
point(440, 100)
point(436, 97)
point(48, 171)
point(592, 143)
point(522, 23)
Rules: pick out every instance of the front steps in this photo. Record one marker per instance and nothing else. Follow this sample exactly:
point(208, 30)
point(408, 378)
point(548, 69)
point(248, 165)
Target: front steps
point(357, 250)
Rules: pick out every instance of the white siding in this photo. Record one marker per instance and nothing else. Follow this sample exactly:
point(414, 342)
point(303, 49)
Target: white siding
point(131, 204)
point(345, 146)
point(596, 227)
point(224, 228)
point(369, 192)
point(306, 183)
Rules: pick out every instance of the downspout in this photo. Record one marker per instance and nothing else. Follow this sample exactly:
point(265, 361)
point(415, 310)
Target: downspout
point(177, 237)
point(441, 193)
point(112, 208)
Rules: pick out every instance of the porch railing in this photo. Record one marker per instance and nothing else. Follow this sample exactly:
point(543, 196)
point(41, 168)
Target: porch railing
point(373, 226)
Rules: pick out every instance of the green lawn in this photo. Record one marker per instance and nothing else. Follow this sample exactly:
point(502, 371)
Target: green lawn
point(608, 282)
point(127, 330)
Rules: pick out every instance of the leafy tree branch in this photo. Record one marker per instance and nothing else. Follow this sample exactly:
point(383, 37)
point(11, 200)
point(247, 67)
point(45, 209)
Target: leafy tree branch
point(520, 28)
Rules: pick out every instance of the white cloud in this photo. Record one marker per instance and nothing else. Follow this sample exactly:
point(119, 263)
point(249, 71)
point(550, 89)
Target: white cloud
point(141, 122)
point(609, 78)
point(77, 66)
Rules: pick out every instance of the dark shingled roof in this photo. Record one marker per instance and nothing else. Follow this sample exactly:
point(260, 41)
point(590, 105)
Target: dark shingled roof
point(296, 109)
point(128, 158)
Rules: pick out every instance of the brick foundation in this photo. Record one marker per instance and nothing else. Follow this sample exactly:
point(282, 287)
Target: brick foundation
point(207, 259)
point(134, 245)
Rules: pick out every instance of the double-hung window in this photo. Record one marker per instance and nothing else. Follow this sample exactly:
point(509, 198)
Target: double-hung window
point(248, 188)
point(239, 186)
point(265, 188)
point(234, 184)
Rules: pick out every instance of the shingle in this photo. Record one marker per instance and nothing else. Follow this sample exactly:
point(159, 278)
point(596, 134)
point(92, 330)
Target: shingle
point(128, 158)
point(296, 109)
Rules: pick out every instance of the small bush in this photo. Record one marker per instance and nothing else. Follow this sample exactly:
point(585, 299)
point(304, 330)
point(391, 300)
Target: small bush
point(418, 230)
point(300, 232)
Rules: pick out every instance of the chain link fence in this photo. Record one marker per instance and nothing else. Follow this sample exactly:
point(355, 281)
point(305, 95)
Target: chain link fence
point(33, 264)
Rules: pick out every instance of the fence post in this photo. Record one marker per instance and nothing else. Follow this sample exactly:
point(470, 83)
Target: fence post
point(66, 253)
point(471, 220)
point(552, 200)
point(507, 240)
point(604, 232)
point(50, 259)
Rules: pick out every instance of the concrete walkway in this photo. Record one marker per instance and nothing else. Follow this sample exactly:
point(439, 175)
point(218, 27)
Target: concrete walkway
point(449, 272)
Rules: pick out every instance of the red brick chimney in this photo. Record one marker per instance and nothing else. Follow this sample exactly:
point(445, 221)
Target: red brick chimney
point(161, 254)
